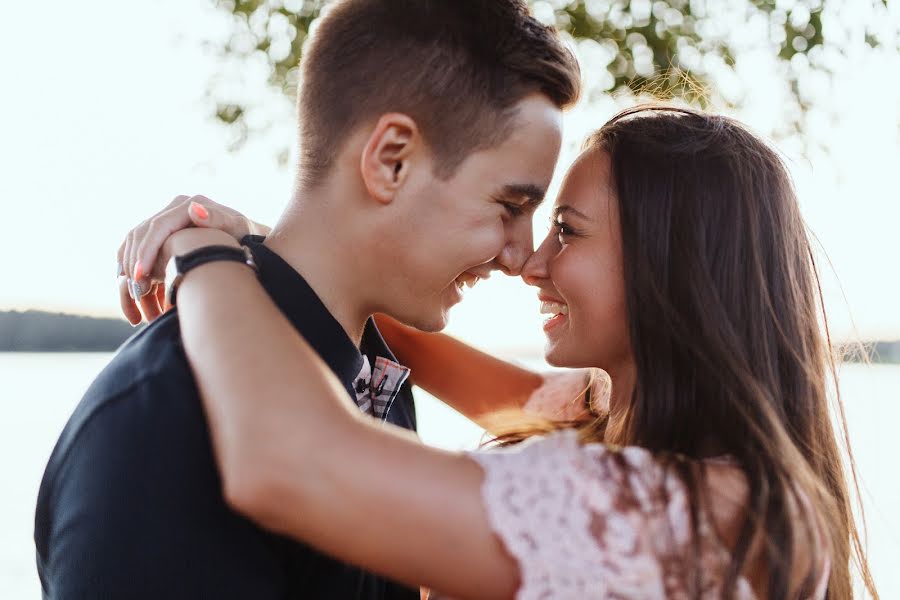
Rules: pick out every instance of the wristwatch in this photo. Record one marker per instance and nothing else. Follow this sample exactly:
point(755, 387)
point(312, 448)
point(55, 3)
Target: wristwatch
point(178, 266)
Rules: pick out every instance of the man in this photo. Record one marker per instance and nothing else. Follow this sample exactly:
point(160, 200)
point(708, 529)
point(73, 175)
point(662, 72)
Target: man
point(429, 132)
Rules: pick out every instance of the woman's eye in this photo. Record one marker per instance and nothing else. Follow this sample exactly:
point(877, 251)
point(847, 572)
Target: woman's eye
point(562, 230)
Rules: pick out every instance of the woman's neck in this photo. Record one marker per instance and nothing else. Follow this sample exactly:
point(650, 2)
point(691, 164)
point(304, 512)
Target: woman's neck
point(623, 378)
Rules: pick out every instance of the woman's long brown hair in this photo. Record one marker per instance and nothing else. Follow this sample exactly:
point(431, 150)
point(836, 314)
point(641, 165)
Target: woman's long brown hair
point(730, 342)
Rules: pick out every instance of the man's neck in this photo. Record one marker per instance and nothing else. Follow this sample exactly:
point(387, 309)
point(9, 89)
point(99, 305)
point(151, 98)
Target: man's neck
point(315, 244)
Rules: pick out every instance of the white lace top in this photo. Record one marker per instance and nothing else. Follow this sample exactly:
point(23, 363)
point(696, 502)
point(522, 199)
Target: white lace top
point(585, 521)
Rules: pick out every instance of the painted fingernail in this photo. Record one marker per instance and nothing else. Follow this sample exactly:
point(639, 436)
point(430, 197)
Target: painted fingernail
point(138, 271)
point(136, 291)
point(120, 269)
point(200, 212)
point(130, 285)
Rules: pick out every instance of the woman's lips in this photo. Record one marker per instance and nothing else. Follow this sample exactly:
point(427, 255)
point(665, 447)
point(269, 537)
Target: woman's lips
point(550, 307)
point(558, 311)
point(555, 321)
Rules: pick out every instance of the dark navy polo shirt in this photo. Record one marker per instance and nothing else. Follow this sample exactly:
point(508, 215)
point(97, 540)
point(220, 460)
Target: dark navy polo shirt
point(131, 502)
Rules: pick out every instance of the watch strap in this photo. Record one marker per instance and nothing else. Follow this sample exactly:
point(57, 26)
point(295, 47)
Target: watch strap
point(207, 254)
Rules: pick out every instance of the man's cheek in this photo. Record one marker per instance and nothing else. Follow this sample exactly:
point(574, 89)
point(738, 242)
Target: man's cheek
point(494, 236)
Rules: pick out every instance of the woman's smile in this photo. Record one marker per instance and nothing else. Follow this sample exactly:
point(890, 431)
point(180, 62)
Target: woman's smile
point(557, 310)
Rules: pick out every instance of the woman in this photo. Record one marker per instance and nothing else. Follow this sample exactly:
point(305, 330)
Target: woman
point(679, 264)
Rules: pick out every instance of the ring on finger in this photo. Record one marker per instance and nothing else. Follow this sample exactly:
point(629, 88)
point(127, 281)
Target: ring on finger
point(138, 289)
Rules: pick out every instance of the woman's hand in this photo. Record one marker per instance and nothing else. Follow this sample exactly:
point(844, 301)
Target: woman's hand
point(178, 244)
point(142, 257)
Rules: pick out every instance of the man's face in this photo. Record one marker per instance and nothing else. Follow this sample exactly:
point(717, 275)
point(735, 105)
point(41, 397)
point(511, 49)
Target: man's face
point(457, 231)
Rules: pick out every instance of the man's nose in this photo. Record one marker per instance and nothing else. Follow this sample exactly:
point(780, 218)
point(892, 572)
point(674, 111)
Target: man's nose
point(519, 247)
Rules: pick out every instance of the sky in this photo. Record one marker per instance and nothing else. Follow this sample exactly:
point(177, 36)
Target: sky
point(105, 119)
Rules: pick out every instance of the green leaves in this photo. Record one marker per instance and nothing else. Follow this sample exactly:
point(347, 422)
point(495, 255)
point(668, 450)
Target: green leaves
point(668, 48)
point(229, 113)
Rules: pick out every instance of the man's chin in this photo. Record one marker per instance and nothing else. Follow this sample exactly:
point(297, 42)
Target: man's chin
point(433, 322)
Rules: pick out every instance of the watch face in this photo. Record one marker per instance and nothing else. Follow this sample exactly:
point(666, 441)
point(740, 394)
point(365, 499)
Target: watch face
point(172, 278)
point(171, 271)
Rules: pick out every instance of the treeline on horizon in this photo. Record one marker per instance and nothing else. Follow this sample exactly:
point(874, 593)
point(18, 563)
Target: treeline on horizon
point(39, 331)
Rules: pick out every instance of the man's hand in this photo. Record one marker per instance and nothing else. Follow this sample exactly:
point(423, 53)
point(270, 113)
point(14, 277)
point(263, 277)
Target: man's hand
point(143, 255)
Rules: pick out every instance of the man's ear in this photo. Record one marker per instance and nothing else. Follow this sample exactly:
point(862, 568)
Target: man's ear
point(386, 155)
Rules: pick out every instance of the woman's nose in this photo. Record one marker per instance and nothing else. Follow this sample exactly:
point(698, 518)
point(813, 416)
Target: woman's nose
point(535, 268)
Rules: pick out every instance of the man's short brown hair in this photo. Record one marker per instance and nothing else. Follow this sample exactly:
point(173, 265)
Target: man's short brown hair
point(457, 67)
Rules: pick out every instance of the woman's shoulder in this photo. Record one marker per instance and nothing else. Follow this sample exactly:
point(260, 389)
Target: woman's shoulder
point(565, 447)
point(588, 515)
point(639, 479)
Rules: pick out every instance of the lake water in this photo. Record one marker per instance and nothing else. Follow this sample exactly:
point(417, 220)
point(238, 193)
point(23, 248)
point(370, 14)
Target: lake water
point(39, 391)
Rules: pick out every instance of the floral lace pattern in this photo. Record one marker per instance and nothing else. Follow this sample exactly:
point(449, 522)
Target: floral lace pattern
point(586, 521)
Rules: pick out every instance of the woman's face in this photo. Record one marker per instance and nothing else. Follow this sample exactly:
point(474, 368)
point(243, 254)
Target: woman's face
point(578, 272)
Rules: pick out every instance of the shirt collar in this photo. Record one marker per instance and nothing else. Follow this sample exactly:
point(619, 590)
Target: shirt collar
point(306, 312)
point(373, 345)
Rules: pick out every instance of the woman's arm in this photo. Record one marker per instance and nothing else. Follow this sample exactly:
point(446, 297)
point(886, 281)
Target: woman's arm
point(472, 382)
point(479, 385)
point(295, 458)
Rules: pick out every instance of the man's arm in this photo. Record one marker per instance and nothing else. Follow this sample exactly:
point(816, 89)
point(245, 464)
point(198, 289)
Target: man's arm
point(134, 510)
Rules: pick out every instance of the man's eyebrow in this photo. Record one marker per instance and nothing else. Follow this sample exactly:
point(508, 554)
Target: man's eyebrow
point(565, 208)
point(532, 193)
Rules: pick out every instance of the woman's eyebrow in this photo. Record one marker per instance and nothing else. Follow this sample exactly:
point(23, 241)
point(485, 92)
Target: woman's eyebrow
point(565, 208)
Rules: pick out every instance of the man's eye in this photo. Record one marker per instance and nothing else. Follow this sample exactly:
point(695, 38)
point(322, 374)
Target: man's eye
point(514, 210)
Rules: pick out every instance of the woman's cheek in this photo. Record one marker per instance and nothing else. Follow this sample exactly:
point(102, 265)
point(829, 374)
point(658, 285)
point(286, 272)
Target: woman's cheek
point(570, 277)
point(593, 308)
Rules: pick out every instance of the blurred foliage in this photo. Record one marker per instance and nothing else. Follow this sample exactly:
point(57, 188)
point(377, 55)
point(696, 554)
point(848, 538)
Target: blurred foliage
point(668, 48)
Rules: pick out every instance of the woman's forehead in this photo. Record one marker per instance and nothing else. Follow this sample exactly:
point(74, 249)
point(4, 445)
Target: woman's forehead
point(587, 184)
